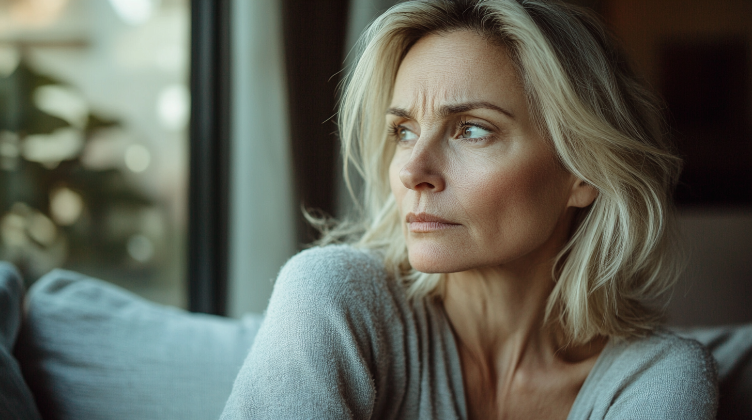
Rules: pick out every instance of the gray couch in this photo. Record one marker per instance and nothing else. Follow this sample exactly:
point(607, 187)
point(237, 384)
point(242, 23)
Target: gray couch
point(86, 350)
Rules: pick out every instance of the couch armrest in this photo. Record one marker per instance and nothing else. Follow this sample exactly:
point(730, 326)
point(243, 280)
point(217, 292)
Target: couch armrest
point(732, 349)
point(90, 350)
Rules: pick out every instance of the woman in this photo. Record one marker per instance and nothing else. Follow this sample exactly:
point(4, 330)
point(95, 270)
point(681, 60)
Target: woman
point(515, 241)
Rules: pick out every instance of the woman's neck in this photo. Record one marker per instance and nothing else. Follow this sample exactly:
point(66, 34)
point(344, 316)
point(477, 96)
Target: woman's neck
point(507, 351)
point(498, 314)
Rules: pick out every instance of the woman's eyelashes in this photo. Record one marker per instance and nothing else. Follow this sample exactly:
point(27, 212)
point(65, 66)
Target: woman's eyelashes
point(463, 130)
point(401, 134)
point(472, 131)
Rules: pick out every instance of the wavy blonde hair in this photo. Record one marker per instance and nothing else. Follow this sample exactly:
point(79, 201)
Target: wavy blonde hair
point(604, 125)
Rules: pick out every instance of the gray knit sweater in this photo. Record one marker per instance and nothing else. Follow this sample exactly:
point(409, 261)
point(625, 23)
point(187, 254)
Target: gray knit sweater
point(341, 341)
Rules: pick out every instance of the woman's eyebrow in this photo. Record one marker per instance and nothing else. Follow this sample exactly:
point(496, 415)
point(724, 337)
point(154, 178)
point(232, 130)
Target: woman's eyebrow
point(399, 112)
point(447, 110)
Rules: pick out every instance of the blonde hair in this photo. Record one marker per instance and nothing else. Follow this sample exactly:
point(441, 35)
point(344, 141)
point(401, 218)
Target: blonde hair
point(605, 127)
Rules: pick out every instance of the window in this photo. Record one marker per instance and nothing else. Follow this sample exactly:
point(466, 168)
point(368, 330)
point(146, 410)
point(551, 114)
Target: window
point(93, 140)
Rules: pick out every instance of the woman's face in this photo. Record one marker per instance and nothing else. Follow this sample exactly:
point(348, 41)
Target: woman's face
point(476, 185)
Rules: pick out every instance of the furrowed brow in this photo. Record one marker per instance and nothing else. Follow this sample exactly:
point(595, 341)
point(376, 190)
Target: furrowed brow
point(399, 112)
point(448, 110)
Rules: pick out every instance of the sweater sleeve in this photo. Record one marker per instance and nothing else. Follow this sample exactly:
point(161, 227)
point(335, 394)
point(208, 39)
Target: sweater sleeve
point(312, 356)
point(674, 381)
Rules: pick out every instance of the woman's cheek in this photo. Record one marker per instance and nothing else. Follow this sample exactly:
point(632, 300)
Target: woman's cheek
point(398, 188)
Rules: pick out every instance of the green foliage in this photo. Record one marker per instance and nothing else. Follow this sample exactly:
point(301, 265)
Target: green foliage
point(26, 186)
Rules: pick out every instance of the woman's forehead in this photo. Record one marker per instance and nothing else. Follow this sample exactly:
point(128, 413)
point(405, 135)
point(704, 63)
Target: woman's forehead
point(456, 67)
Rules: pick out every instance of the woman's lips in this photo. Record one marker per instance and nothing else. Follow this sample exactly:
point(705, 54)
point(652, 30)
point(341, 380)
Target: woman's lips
point(424, 223)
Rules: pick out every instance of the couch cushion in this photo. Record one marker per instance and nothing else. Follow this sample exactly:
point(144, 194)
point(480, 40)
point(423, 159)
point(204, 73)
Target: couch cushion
point(16, 401)
point(732, 349)
point(90, 350)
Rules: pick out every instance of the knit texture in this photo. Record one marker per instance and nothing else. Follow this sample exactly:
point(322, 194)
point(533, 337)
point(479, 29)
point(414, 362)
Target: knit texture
point(340, 340)
point(90, 350)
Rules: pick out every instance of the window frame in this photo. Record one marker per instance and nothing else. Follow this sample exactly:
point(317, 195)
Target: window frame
point(208, 188)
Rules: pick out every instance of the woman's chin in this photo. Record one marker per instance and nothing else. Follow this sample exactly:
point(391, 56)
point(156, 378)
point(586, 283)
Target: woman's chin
point(435, 261)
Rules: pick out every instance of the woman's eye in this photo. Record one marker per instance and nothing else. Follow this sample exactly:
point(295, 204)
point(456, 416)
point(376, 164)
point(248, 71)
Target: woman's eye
point(403, 134)
point(473, 132)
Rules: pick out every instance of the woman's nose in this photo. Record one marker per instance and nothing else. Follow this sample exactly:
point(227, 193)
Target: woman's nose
point(422, 171)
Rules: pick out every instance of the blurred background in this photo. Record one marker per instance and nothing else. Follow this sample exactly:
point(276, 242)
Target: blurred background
point(94, 109)
point(168, 146)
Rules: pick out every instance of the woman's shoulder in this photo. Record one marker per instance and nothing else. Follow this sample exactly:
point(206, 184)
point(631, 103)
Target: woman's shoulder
point(333, 272)
point(340, 258)
point(334, 264)
point(318, 351)
point(660, 375)
point(668, 354)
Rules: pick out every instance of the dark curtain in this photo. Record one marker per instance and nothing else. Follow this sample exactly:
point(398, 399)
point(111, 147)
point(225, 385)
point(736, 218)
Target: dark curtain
point(314, 38)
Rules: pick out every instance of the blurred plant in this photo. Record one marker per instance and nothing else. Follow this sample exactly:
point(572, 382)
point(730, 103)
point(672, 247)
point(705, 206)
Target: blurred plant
point(55, 211)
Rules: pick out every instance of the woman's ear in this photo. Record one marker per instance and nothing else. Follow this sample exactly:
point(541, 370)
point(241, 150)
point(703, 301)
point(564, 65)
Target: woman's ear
point(583, 194)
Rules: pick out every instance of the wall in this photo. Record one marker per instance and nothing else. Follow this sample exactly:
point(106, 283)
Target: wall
point(262, 222)
point(717, 285)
